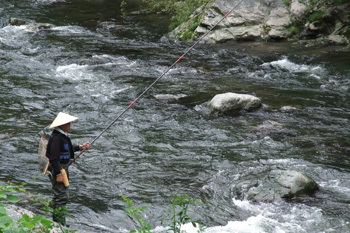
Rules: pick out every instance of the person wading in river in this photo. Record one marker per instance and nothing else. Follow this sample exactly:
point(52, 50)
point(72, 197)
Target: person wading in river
point(59, 151)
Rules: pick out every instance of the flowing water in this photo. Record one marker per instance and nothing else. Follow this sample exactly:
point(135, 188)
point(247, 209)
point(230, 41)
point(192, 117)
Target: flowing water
point(93, 63)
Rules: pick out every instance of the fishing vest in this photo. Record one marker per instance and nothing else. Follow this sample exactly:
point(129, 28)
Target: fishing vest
point(65, 152)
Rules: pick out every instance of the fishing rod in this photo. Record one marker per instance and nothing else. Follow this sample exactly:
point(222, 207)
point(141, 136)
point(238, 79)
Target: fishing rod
point(161, 76)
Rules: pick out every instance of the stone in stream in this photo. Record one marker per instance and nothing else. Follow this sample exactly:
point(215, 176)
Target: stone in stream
point(16, 22)
point(168, 97)
point(276, 186)
point(232, 103)
point(31, 27)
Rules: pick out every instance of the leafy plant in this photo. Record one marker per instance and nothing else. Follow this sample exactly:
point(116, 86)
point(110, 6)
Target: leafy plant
point(26, 223)
point(135, 214)
point(294, 29)
point(123, 11)
point(316, 16)
point(177, 213)
point(286, 2)
point(179, 11)
point(339, 2)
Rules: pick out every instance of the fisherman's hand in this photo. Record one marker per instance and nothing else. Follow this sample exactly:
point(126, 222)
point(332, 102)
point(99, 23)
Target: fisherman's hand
point(59, 178)
point(86, 146)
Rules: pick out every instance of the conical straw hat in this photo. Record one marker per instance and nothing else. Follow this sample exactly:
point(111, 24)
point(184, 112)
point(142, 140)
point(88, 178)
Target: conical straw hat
point(61, 119)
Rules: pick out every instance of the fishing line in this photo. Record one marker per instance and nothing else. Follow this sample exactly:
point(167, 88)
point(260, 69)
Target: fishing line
point(161, 76)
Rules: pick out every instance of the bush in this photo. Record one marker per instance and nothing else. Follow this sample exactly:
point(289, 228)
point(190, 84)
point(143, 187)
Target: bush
point(26, 223)
point(317, 15)
point(180, 11)
point(294, 30)
point(176, 215)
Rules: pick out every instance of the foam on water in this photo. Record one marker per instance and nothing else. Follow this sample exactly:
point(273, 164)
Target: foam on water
point(64, 30)
point(74, 72)
point(13, 36)
point(270, 217)
point(285, 63)
point(48, 1)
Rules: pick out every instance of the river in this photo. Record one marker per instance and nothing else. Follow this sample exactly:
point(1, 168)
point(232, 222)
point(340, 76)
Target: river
point(93, 63)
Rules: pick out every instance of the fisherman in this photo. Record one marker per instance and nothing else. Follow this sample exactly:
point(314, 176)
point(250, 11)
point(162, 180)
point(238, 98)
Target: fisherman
point(60, 151)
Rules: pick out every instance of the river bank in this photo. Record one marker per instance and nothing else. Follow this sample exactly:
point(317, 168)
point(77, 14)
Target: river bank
point(315, 23)
point(93, 64)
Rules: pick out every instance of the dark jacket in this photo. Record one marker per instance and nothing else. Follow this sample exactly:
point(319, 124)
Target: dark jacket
point(59, 151)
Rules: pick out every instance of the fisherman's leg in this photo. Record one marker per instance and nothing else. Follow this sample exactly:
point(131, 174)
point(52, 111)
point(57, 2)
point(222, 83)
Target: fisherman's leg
point(59, 200)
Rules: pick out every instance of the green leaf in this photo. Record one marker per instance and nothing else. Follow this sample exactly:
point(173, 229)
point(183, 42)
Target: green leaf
point(3, 195)
point(47, 223)
point(10, 189)
point(30, 226)
point(25, 217)
point(2, 210)
point(6, 221)
point(13, 199)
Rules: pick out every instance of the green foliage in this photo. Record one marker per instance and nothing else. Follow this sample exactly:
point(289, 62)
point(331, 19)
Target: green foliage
point(177, 213)
point(293, 29)
point(37, 223)
point(340, 2)
point(317, 15)
point(179, 11)
point(286, 2)
point(135, 213)
point(185, 35)
point(25, 224)
point(266, 29)
point(193, 26)
point(123, 11)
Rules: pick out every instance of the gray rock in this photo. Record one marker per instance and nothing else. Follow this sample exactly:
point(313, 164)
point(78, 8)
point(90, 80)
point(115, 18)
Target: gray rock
point(168, 97)
point(232, 103)
point(30, 27)
point(297, 10)
point(277, 185)
point(337, 39)
point(38, 26)
point(278, 17)
point(16, 212)
point(16, 22)
point(261, 20)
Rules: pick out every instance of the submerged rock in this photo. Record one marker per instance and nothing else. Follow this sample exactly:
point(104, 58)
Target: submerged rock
point(232, 103)
point(277, 185)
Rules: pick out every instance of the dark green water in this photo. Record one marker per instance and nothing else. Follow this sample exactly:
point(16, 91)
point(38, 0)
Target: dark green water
point(93, 64)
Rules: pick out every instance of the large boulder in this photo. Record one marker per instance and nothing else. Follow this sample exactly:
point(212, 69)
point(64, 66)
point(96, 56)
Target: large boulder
point(232, 103)
point(276, 186)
